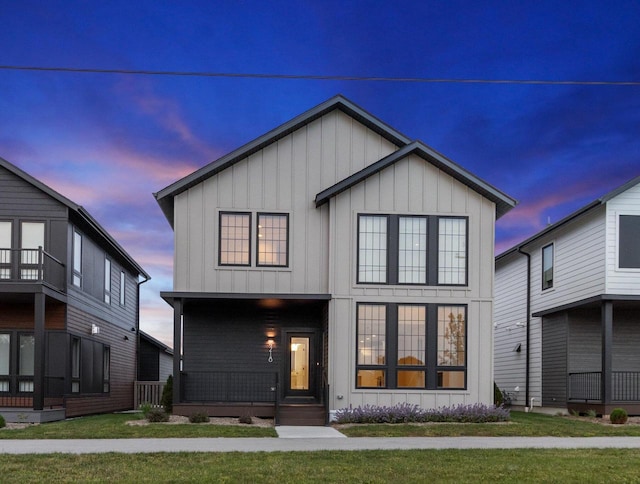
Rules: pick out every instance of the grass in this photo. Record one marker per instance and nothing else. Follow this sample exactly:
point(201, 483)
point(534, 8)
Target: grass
point(112, 426)
point(523, 465)
point(522, 424)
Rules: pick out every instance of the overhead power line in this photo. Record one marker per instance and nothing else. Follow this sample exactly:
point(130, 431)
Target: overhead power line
point(312, 77)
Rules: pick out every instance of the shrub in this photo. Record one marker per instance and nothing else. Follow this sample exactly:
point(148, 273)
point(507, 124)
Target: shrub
point(167, 395)
point(2, 422)
point(405, 412)
point(618, 416)
point(157, 415)
point(245, 419)
point(199, 418)
point(145, 408)
point(591, 413)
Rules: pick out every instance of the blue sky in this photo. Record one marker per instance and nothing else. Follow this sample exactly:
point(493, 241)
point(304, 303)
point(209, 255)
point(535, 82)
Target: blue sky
point(107, 141)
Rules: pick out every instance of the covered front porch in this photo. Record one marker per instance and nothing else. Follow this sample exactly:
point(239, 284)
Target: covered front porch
point(251, 355)
point(591, 357)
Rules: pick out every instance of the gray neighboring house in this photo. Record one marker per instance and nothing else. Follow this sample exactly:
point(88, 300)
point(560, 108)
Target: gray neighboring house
point(69, 296)
point(155, 359)
point(331, 262)
point(567, 310)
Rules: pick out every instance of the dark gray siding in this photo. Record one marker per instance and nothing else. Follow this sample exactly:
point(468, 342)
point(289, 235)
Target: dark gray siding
point(584, 341)
point(232, 337)
point(148, 362)
point(17, 197)
point(554, 360)
point(626, 340)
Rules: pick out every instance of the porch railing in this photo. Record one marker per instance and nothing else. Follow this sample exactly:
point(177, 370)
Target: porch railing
point(31, 265)
point(148, 392)
point(586, 386)
point(229, 386)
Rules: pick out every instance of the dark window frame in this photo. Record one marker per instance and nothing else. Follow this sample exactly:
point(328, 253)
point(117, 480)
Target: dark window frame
point(76, 272)
point(7, 377)
point(545, 284)
point(628, 236)
point(6, 256)
point(432, 250)
point(107, 277)
point(250, 237)
point(431, 367)
point(20, 378)
point(287, 243)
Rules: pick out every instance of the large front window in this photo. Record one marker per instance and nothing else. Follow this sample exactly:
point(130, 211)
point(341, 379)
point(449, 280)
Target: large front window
point(419, 346)
point(412, 249)
point(5, 361)
point(26, 359)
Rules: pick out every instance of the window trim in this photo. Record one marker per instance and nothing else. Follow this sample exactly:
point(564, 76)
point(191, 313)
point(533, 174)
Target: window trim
point(618, 266)
point(431, 367)
point(393, 252)
point(107, 281)
point(257, 251)
point(230, 212)
point(553, 266)
point(106, 369)
point(123, 288)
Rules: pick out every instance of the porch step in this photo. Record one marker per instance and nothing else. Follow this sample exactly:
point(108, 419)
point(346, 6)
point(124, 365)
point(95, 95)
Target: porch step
point(302, 414)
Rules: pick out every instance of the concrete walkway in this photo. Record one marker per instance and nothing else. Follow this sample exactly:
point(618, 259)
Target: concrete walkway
point(129, 446)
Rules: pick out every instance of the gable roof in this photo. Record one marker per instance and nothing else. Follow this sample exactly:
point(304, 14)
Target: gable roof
point(165, 196)
point(503, 202)
point(581, 211)
point(79, 211)
point(155, 342)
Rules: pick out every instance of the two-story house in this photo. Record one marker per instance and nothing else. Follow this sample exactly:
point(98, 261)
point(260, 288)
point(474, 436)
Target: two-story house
point(331, 262)
point(68, 307)
point(567, 310)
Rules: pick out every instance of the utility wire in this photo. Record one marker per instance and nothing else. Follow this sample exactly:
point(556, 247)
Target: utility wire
point(321, 78)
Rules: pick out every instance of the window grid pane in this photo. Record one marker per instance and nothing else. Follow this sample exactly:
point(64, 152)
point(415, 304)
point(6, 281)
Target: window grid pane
point(411, 335)
point(235, 238)
point(272, 240)
point(452, 251)
point(371, 334)
point(26, 355)
point(5, 253)
point(412, 250)
point(451, 335)
point(372, 254)
point(5, 348)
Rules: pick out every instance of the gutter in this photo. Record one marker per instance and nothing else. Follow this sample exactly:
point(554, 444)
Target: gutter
point(528, 353)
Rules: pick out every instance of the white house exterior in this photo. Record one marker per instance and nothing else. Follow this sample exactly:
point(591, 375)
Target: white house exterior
point(571, 341)
point(331, 262)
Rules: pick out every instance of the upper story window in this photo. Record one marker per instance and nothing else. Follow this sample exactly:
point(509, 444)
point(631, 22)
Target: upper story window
point(411, 249)
point(77, 259)
point(235, 239)
point(273, 239)
point(123, 287)
point(107, 281)
point(628, 237)
point(32, 238)
point(547, 267)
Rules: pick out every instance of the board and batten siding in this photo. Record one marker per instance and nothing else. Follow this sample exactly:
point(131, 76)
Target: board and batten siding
point(410, 186)
point(283, 177)
point(621, 281)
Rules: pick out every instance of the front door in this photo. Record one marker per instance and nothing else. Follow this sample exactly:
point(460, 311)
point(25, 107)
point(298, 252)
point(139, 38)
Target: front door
point(302, 365)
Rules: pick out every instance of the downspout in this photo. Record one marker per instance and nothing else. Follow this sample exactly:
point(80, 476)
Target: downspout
point(528, 354)
point(138, 284)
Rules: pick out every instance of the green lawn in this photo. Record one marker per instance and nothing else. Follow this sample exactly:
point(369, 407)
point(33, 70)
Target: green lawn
point(112, 426)
point(522, 424)
point(332, 466)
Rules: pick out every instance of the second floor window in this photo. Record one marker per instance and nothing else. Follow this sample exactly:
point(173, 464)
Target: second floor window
point(107, 281)
point(123, 287)
point(271, 238)
point(412, 249)
point(547, 267)
point(77, 259)
point(628, 237)
point(5, 250)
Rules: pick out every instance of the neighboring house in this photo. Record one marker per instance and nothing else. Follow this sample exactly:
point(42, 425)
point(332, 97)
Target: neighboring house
point(567, 310)
point(155, 359)
point(68, 307)
point(331, 262)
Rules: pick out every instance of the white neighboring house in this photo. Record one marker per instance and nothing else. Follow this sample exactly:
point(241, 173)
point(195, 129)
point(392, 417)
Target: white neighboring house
point(567, 310)
point(331, 262)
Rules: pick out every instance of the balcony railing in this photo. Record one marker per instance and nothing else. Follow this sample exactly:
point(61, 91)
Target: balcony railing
point(586, 386)
point(229, 386)
point(31, 265)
